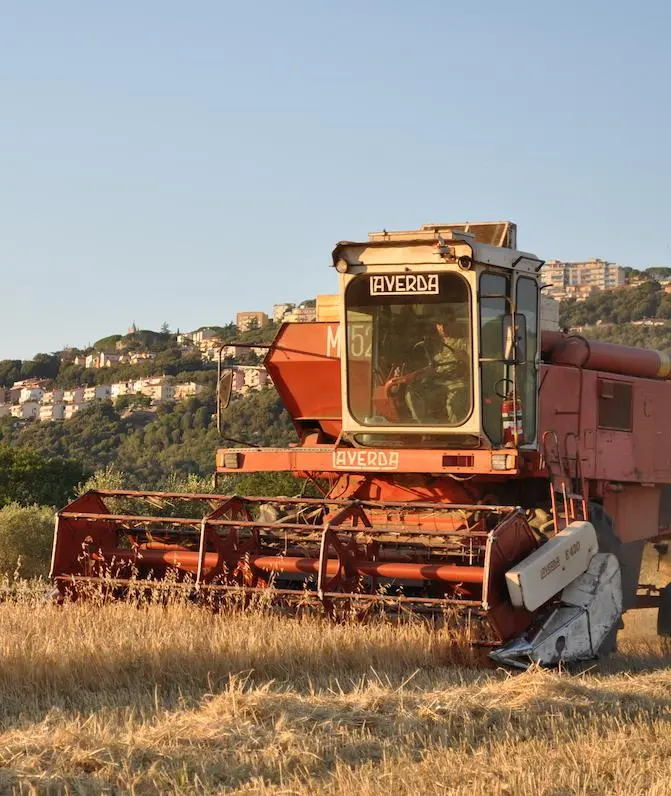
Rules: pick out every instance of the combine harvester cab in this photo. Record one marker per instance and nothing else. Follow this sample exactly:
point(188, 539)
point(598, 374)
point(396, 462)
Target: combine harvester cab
point(459, 448)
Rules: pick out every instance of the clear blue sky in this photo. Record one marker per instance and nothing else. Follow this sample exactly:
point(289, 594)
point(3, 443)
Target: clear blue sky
point(178, 161)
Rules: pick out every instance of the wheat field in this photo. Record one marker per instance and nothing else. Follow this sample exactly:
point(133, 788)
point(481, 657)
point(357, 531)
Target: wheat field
point(176, 699)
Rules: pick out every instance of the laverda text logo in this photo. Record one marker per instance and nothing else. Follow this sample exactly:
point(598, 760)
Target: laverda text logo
point(404, 284)
point(365, 460)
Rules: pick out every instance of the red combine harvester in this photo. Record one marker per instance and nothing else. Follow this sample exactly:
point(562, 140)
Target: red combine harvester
point(467, 458)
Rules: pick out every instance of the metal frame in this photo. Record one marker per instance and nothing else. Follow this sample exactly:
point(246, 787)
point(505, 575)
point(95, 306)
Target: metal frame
point(351, 550)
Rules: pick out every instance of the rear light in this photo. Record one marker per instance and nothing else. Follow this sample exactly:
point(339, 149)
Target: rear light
point(232, 461)
point(503, 461)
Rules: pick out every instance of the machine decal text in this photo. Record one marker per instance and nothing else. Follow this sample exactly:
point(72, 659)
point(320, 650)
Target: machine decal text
point(394, 284)
point(332, 342)
point(365, 460)
point(550, 567)
point(573, 549)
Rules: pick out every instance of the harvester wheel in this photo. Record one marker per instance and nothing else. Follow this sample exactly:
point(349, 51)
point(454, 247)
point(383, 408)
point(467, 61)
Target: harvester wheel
point(609, 543)
point(664, 612)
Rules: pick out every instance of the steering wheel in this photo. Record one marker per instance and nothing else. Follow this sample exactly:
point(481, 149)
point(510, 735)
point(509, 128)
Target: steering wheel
point(507, 384)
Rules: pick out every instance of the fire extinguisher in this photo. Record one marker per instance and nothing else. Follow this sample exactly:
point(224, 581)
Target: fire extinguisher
point(511, 421)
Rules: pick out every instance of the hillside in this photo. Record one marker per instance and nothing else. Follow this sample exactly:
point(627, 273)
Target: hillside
point(178, 439)
point(168, 359)
point(640, 305)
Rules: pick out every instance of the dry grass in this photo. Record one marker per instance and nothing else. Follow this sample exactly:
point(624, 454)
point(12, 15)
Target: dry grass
point(118, 699)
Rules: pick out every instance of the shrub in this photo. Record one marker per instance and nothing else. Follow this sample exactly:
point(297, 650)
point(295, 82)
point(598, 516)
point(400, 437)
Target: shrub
point(29, 477)
point(26, 534)
point(109, 477)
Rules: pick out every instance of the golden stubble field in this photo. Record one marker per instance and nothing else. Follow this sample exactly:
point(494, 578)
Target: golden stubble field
point(176, 699)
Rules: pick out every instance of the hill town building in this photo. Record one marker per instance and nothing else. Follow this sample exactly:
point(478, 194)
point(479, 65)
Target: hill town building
point(580, 279)
point(251, 320)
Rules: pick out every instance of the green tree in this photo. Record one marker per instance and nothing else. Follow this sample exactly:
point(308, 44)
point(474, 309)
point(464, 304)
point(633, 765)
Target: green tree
point(109, 477)
point(613, 306)
point(10, 371)
point(658, 272)
point(107, 343)
point(132, 402)
point(27, 477)
point(43, 366)
point(26, 534)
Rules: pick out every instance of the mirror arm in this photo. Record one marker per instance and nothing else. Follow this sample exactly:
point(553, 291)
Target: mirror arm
point(218, 396)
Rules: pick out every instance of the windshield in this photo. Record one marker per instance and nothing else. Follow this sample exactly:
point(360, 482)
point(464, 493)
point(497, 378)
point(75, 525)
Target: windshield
point(409, 349)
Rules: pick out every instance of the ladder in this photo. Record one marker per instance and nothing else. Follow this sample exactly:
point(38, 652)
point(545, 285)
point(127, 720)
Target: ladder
point(567, 484)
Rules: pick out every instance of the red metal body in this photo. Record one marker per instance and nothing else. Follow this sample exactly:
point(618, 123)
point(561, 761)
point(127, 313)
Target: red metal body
point(610, 358)
point(603, 401)
point(435, 527)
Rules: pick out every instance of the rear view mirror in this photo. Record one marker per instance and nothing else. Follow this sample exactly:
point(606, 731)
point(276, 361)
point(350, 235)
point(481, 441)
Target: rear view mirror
point(515, 338)
point(224, 388)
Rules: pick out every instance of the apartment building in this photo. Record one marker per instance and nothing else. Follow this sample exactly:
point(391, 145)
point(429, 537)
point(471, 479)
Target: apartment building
point(280, 310)
point(251, 320)
point(19, 385)
point(52, 396)
point(209, 349)
point(71, 410)
point(100, 392)
point(249, 377)
point(188, 390)
point(301, 314)
point(580, 279)
point(135, 357)
point(28, 410)
point(158, 392)
point(74, 396)
point(51, 411)
point(155, 387)
point(28, 394)
point(26, 390)
point(120, 388)
point(234, 352)
point(106, 359)
point(308, 311)
point(202, 335)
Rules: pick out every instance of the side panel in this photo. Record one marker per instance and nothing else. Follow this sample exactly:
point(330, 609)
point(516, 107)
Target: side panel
point(615, 459)
point(640, 450)
point(304, 365)
point(619, 420)
point(73, 537)
point(560, 402)
point(635, 511)
point(652, 431)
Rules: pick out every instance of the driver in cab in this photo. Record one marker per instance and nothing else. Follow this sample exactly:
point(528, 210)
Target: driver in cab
point(442, 394)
